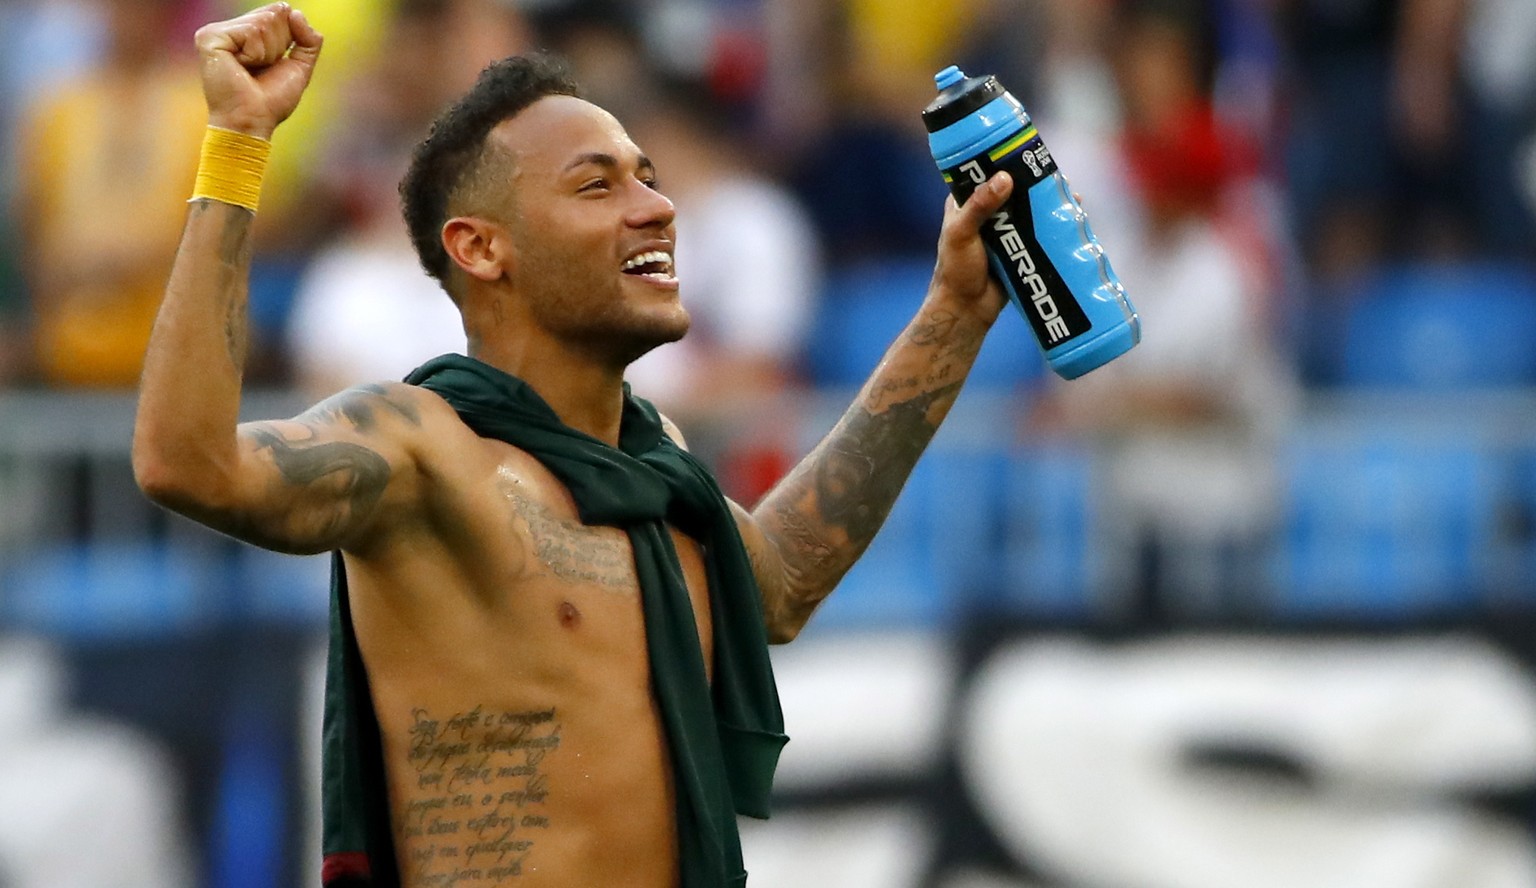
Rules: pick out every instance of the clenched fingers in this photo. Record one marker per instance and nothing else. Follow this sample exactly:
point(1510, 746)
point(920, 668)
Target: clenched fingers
point(988, 198)
point(256, 39)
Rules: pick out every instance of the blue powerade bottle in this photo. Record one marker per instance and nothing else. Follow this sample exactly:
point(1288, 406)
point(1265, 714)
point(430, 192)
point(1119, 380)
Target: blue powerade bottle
point(1040, 245)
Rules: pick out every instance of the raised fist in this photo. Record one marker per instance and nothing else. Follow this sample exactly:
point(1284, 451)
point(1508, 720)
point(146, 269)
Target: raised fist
point(256, 66)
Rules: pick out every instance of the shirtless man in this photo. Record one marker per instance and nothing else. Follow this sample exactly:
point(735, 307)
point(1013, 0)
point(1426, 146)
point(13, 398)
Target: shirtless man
point(483, 607)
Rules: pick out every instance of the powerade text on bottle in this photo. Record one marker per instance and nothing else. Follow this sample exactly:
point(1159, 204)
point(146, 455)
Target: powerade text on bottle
point(1040, 245)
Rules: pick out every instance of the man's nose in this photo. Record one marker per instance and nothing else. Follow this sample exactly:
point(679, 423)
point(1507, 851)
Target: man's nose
point(651, 209)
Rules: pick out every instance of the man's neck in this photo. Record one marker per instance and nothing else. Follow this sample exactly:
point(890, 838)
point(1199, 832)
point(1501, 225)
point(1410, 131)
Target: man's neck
point(586, 396)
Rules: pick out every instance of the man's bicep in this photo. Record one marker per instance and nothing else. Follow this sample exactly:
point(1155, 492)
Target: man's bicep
point(318, 480)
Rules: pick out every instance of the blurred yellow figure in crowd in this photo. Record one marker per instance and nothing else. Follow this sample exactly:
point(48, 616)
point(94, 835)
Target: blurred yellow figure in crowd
point(102, 161)
point(897, 45)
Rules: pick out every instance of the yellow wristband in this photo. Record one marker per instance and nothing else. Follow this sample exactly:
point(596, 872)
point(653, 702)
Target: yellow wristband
point(231, 167)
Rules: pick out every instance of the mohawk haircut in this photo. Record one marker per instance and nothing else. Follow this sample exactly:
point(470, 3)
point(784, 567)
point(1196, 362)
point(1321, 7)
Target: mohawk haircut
point(444, 166)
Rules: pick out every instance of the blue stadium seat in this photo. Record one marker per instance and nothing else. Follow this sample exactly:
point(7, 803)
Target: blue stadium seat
point(1387, 527)
point(864, 308)
point(966, 498)
point(1048, 535)
point(1437, 328)
point(282, 589)
point(113, 590)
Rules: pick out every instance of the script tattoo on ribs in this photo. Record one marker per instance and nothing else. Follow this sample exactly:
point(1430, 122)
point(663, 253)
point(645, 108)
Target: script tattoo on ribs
point(476, 807)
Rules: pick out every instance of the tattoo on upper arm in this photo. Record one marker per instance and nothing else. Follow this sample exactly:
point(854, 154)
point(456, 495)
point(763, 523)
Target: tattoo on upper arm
point(775, 583)
point(357, 473)
point(761, 567)
point(811, 551)
point(475, 806)
point(357, 405)
point(361, 473)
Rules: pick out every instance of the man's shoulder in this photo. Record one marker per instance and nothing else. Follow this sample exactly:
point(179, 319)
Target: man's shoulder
point(672, 431)
point(407, 416)
point(367, 404)
point(440, 429)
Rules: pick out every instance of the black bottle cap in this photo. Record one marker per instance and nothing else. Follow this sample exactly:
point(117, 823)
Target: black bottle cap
point(959, 99)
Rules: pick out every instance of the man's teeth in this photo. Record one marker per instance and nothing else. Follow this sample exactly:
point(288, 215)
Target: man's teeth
point(646, 258)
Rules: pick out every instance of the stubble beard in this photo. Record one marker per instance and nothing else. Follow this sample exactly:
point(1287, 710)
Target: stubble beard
point(588, 306)
point(593, 313)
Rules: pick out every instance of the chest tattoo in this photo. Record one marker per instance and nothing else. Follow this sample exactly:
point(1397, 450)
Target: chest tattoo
point(574, 552)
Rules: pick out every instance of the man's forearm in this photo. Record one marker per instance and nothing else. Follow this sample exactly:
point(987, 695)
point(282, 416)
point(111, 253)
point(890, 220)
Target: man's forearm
point(254, 68)
point(189, 399)
point(823, 516)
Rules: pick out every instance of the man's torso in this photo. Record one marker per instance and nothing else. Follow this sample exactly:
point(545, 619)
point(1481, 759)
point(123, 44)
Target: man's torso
point(506, 652)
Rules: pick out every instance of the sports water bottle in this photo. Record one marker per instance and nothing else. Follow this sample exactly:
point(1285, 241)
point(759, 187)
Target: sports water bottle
point(1040, 246)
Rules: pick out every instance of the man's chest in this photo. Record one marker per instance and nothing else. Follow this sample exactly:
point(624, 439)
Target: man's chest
point(532, 555)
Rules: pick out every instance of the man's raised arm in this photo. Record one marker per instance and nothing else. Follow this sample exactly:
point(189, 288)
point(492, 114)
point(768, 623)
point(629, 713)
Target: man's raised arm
point(303, 485)
point(808, 531)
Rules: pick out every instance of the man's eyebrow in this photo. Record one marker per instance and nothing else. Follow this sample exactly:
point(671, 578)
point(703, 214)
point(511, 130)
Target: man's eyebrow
point(593, 157)
point(608, 161)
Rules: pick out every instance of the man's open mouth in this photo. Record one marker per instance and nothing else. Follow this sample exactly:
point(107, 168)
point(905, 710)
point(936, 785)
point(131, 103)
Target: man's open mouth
point(654, 264)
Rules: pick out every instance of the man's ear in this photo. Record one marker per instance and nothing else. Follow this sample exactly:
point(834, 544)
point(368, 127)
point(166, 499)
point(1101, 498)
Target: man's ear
point(479, 247)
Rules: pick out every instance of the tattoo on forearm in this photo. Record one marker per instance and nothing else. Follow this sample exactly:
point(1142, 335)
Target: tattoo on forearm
point(235, 338)
point(933, 327)
point(234, 263)
point(475, 807)
point(950, 344)
point(868, 462)
point(829, 509)
point(944, 329)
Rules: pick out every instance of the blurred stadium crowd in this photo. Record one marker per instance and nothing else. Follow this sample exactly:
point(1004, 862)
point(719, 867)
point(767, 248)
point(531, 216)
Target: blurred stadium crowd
point(1304, 197)
point(1324, 210)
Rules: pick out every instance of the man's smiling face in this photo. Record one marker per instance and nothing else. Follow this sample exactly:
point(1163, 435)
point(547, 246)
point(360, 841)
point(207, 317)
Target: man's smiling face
point(593, 237)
